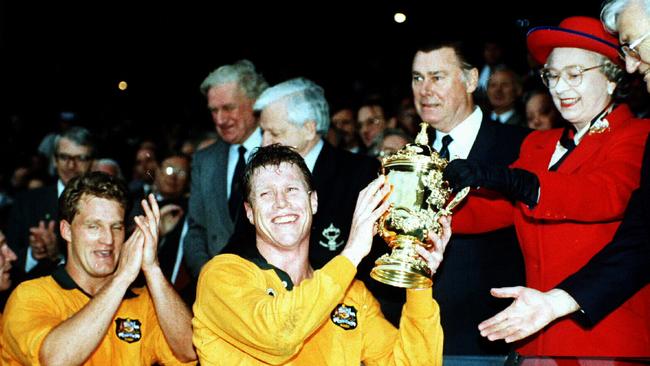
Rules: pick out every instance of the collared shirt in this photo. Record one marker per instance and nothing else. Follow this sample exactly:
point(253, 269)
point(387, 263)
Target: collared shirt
point(561, 150)
point(252, 142)
point(503, 117)
point(312, 155)
point(464, 136)
point(35, 307)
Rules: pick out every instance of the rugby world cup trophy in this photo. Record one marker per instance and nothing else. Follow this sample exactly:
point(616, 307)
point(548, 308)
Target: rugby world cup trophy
point(420, 196)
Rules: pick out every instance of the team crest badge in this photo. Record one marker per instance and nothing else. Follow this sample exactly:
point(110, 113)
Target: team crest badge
point(344, 316)
point(128, 330)
point(331, 233)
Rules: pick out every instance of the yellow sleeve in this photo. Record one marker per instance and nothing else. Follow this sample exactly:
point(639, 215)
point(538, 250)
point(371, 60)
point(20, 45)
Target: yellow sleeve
point(418, 340)
point(30, 314)
point(232, 303)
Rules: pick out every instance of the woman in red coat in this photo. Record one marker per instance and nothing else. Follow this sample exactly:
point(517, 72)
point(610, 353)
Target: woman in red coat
point(567, 192)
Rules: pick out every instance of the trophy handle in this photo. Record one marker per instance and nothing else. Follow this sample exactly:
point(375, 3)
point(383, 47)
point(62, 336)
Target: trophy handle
point(458, 198)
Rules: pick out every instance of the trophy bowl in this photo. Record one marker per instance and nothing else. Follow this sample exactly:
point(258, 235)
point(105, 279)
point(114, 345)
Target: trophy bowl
point(419, 197)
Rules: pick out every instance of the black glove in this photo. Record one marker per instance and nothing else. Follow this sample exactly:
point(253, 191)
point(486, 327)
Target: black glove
point(516, 184)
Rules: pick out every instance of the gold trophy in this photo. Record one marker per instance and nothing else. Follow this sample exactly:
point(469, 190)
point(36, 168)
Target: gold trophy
point(418, 200)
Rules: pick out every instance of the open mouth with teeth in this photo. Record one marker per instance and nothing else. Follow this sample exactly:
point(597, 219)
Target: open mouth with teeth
point(285, 219)
point(568, 102)
point(104, 253)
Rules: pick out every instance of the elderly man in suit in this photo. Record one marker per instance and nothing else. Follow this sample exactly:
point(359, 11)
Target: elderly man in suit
point(215, 196)
point(295, 113)
point(32, 230)
point(443, 82)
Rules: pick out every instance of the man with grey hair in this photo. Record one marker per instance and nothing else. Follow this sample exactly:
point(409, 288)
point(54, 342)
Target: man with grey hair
point(443, 83)
point(504, 90)
point(215, 200)
point(631, 20)
point(620, 269)
point(32, 229)
point(295, 113)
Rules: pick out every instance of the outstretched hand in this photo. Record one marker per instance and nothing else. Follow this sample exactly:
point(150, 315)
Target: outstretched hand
point(531, 311)
point(371, 204)
point(434, 254)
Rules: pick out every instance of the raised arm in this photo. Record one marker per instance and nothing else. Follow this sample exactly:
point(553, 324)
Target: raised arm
point(174, 317)
point(419, 340)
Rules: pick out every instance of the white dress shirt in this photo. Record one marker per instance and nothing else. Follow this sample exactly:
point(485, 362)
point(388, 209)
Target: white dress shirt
point(463, 136)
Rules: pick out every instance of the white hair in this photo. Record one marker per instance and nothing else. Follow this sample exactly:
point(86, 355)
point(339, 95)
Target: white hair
point(613, 8)
point(304, 101)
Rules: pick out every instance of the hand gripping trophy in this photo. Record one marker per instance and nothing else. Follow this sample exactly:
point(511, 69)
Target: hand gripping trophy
point(419, 198)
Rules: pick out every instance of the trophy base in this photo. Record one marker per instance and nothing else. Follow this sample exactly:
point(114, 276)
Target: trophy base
point(402, 268)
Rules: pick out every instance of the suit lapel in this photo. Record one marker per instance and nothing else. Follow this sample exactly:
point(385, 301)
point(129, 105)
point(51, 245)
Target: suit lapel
point(218, 178)
point(484, 143)
point(324, 168)
point(593, 142)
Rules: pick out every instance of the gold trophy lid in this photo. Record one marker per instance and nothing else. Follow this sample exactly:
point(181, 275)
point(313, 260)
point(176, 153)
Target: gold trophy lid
point(416, 154)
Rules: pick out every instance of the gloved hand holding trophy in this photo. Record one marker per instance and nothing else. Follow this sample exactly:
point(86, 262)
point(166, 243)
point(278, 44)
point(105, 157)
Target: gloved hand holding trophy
point(420, 197)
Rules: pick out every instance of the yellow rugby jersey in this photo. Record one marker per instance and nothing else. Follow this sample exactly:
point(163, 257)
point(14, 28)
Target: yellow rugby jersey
point(35, 307)
point(248, 312)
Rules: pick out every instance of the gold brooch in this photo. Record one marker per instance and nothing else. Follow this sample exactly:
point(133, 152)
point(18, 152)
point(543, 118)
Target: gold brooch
point(599, 126)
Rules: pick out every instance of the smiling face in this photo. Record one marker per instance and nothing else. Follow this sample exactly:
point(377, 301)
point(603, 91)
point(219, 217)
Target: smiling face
point(172, 176)
point(232, 112)
point(503, 90)
point(281, 206)
point(94, 238)
point(579, 104)
point(441, 92)
point(71, 159)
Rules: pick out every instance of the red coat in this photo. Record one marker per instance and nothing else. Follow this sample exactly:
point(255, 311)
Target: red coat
point(579, 209)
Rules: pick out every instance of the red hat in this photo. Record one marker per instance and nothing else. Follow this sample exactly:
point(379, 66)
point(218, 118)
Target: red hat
point(576, 32)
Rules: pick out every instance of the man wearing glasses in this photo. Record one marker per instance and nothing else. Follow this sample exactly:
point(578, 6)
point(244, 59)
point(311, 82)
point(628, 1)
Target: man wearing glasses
point(620, 269)
point(32, 230)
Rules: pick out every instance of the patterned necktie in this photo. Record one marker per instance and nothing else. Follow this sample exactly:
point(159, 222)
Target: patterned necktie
point(236, 197)
point(444, 150)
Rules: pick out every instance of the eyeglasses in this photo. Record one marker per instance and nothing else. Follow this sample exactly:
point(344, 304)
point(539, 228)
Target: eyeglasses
point(65, 158)
point(629, 49)
point(572, 75)
point(170, 170)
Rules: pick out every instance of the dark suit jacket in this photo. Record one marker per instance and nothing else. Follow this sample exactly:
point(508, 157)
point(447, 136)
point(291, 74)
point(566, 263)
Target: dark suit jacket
point(517, 119)
point(338, 177)
point(28, 210)
point(208, 218)
point(475, 263)
point(620, 269)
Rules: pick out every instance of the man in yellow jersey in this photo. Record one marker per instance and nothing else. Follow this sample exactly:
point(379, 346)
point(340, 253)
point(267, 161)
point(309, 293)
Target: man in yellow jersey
point(268, 306)
point(87, 312)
